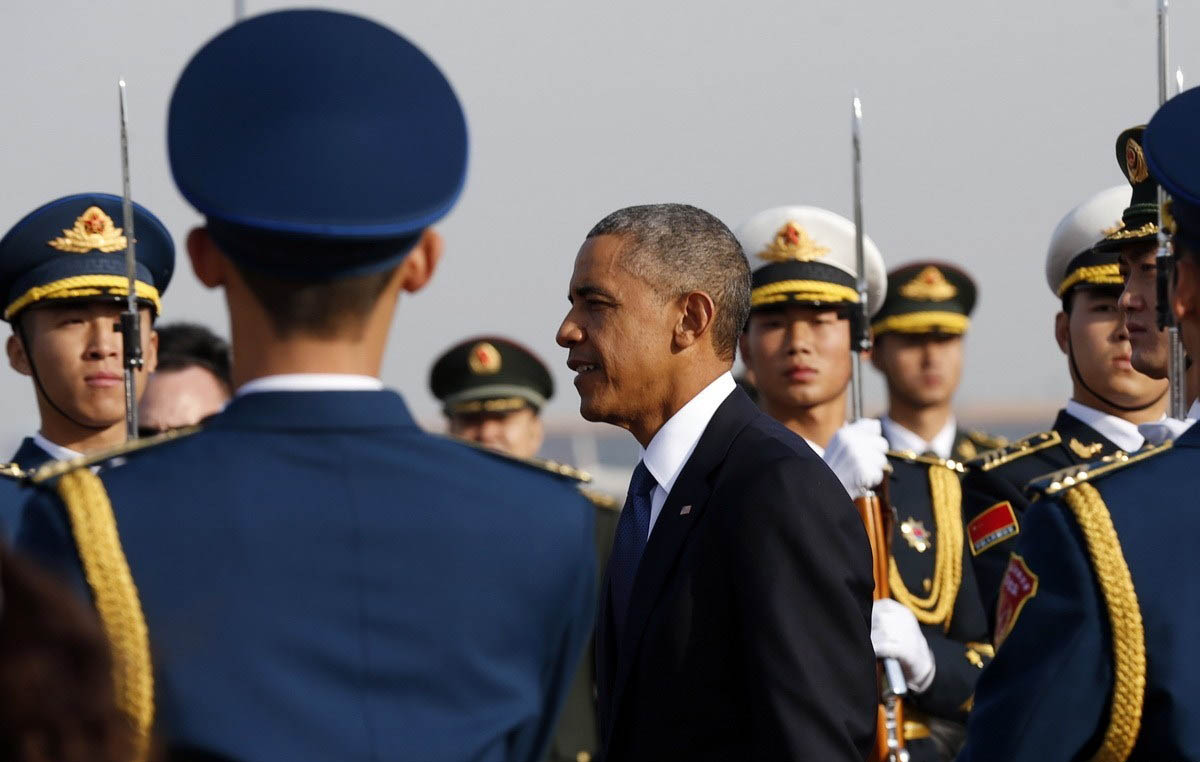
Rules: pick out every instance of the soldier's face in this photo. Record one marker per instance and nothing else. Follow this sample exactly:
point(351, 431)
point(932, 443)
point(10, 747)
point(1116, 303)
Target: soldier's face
point(800, 357)
point(921, 369)
point(1138, 302)
point(516, 432)
point(77, 354)
point(1095, 330)
point(620, 333)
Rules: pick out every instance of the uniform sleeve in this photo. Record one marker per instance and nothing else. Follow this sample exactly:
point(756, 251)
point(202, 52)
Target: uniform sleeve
point(45, 536)
point(802, 577)
point(1045, 694)
point(579, 606)
point(983, 490)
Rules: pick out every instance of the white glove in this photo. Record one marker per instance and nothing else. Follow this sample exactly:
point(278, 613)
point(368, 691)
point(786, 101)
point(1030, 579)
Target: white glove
point(857, 454)
point(1158, 432)
point(895, 633)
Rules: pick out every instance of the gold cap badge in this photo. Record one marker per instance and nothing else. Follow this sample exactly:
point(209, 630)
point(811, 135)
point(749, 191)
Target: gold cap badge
point(1135, 162)
point(929, 286)
point(792, 244)
point(484, 359)
point(93, 230)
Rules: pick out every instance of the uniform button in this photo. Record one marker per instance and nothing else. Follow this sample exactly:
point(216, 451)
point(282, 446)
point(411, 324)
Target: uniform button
point(927, 583)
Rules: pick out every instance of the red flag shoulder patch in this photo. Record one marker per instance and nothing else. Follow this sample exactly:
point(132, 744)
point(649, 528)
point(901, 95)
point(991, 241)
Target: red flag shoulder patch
point(994, 525)
point(1020, 584)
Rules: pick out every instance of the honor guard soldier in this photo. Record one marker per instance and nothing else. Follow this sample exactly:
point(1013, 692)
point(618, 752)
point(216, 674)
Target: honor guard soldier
point(797, 343)
point(1109, 397)
point(316, 577)
point(492, 392)
point(12, 497)
point(1097, 626)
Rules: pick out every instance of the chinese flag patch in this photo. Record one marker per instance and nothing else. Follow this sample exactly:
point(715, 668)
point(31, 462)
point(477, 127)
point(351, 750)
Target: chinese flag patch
point(1020, 584)
point(994, 525)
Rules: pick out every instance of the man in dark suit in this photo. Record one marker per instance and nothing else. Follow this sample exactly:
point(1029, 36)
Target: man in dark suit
point(318, 577)
point(735, 617)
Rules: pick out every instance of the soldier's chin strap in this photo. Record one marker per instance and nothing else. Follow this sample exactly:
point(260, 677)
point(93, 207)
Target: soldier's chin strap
point(1083, 382)
point(19, 324)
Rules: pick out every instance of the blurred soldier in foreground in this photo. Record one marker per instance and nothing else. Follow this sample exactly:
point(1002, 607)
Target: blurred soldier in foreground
point(492, 392)
point(918, 348)
point(192, 380)
point(1097, 626)
point(1109, 397)
point(320, 578)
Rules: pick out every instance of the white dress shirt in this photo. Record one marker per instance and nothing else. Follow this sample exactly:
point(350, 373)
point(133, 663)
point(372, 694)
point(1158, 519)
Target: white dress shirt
point(311, 382)
point(900, 438)
point(670, 449)
point(1122, 433)
point(1193, 412)
point(56, 451)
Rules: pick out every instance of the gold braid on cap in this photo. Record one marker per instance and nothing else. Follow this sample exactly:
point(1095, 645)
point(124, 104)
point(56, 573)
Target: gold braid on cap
point(1125, 619)
point(923, 322)
point(116, 597)
point(937, 608)
point(801, 291)
point(84, 285)
point(1096, 275)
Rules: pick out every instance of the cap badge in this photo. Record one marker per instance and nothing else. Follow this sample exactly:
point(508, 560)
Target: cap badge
point(792, 244)
point(93, 230)
point(1135, 162)
point(929, 286)
point(484, 359)
point(916, 534)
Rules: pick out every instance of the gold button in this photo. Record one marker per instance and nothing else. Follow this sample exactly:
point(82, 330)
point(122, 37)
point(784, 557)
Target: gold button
point(583, 756)
point(927, 583)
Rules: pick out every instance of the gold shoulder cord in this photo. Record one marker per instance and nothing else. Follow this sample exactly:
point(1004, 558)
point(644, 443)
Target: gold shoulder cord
point(116, 596)
point(1125, 618)
point(938, 607)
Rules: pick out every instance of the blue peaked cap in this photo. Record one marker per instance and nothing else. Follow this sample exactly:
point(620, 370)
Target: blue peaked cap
point(1172, 148)
point(318, 144)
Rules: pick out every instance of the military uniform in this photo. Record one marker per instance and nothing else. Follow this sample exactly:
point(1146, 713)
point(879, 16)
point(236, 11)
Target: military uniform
point(317, 576)
point(993, 489)
point(12, 497)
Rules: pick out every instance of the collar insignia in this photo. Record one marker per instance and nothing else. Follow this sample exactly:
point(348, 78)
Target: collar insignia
point(792, 244)
point(484, 359)
point(93, 230)
point(917, 535)
point(967, 449)
point(1088, 451)
point(1135, 162)
point(929, 286)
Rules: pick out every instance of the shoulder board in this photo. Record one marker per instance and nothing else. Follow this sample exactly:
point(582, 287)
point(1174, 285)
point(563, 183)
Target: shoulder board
point(600, 499)
point(1015, 451)
point(1053, 483)
point(11, 471)
point(932, 460)
point(985, 440)
point(551, 466)
point(57, 468)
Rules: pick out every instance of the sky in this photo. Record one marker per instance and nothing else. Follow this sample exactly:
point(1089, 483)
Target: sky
point(984, 122)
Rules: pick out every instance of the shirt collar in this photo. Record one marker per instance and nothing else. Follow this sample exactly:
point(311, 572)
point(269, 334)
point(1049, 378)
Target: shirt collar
point(1122, 433)
point(900, 438)
point(55, 451)
point(674, 443)
point(1193, 412)
point(311, 382)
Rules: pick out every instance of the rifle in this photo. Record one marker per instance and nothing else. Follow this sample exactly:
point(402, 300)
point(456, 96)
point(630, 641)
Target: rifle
point(131, 321)
point(875, 515)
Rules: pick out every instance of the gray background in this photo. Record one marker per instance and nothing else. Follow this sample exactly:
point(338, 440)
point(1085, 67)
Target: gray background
point(985, 123)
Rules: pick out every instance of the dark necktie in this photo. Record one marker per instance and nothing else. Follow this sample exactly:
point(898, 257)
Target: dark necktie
point(632, 530)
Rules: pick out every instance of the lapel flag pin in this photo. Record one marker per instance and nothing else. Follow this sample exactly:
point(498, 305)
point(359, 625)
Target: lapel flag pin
point(685, 510)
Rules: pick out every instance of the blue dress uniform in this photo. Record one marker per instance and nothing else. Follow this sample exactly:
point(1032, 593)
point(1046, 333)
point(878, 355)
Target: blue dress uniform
point(316, 577)
point(1097, 624)
point(12, 497)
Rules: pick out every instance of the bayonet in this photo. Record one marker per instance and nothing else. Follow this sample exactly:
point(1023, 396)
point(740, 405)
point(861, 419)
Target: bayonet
point(131, 324)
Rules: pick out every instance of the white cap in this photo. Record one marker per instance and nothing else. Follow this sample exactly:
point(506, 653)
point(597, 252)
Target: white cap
point(807, 254)
point(1084, 227)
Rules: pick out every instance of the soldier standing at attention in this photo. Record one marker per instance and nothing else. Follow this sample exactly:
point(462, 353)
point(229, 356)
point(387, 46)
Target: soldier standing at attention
point(321, 579)
point(1097, 624)
point(1109, 396)
point(492, 392)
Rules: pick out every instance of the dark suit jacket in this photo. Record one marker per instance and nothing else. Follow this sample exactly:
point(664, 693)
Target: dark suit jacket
point(748, 634)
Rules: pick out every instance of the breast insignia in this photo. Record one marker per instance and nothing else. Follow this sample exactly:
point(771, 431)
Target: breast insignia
point(1019, 449)
point(1063, 479)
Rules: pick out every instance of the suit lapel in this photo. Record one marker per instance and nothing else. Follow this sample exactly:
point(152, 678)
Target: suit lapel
point(685, 505)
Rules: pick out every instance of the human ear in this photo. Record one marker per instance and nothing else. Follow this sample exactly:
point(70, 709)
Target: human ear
point(208, 262)
point(418, 267)
point(1062, 330)
point(695, 319)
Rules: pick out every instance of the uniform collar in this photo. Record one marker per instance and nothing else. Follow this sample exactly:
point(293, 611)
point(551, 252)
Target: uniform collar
point(311, 382)
point(1122, 433)
point(1193, 412)
point(900, 438)
point(314, 411)
point(674, 443)
point(55, 451)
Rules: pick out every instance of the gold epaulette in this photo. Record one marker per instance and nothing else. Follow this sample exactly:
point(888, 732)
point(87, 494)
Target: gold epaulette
point(11, 471)
point(998, 457)
point(932, 460)
point(1053, 483)
point(57, 468)
point(552, 466)
point(600, 499)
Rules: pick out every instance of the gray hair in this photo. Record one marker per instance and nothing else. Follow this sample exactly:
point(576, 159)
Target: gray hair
point(676, 249)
